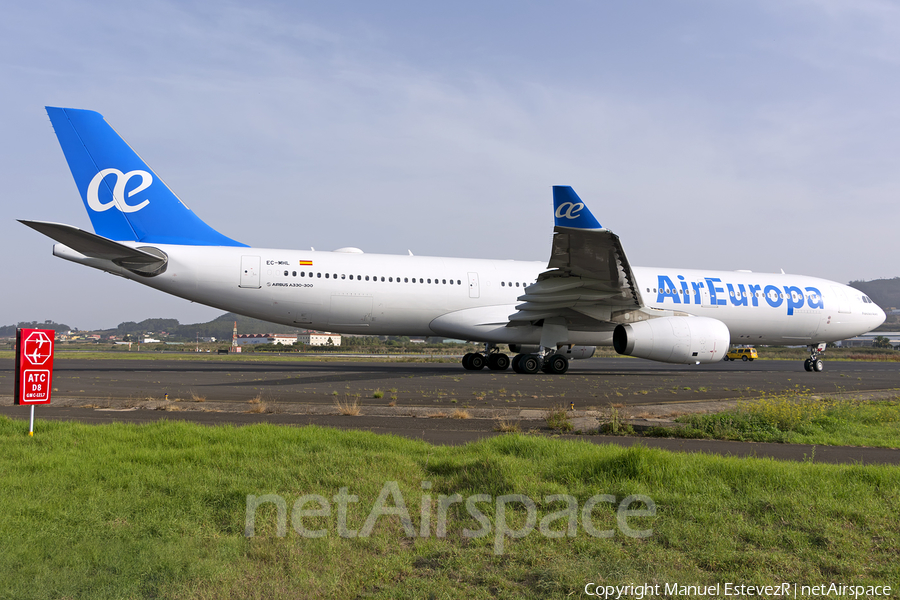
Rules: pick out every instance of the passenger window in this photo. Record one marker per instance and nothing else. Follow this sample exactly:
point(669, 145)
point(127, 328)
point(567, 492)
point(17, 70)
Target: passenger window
point(405, 280)
point(367, 277)
point(429, 281)
point(285, 273)
point(294, 273)
point(444, 281)
point(326, 275)
point(517, 284)
point(319, 275)
point(343, 276)
point(302, 273)
point(382, 278)
point(390, 280)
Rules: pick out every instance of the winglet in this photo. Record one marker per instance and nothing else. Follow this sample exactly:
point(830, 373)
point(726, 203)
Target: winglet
point(569, 211)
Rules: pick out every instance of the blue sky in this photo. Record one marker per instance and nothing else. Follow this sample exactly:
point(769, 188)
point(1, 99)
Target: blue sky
point(724, 135)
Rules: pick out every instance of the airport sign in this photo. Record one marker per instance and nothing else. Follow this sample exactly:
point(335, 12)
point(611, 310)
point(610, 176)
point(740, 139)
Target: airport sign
point(34, 366)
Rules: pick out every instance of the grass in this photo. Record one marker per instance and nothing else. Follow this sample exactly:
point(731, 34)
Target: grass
point(504, 426)
point(799, 419)
point(615, 422)
point(158, 510)
point(349, 407)
point(558, 419)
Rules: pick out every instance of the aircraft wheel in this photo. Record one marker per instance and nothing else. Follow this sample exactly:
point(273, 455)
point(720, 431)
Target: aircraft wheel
point(725, 358)
point(529, 363)
point(744, 358)
point(465, 361)
point(557, 364)
point(807, 364)
point(498, 362)
point(818, 365)
point(515, 363)
point(477, 362)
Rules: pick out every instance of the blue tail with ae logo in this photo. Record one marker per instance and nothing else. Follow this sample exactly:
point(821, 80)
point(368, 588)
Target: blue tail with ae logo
point(125, 199)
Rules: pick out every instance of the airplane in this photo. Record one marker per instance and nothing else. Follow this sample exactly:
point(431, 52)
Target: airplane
point(587, 295)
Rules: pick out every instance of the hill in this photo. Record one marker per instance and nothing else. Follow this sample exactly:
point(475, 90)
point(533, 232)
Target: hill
point(885, 292)
point(9, 331)
point(220, 328)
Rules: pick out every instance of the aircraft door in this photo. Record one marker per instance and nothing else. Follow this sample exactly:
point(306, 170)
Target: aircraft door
point(249, 272)
point(706, 298)
point(843, 303)
point(474, 291)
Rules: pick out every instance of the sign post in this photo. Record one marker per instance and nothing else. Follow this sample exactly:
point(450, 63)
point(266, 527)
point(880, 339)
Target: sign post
point(34, 368)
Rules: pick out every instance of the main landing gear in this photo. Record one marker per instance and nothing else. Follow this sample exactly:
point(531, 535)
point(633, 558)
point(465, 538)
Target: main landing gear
point(493, 359)
point(552, 364)
point(814, 362)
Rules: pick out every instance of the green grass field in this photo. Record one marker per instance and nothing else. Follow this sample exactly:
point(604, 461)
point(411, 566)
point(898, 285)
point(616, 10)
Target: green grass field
point(138, 511)
point(798, 419)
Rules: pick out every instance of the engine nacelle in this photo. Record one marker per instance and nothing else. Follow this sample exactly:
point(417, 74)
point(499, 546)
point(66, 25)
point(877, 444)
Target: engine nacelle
point(683, 340)
point(577, 352)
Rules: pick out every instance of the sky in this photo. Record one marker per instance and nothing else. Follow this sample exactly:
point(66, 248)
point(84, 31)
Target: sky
point(760, 135)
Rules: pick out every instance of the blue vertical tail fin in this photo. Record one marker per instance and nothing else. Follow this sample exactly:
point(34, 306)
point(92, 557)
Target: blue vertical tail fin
point(570, 211)
point(125, 199)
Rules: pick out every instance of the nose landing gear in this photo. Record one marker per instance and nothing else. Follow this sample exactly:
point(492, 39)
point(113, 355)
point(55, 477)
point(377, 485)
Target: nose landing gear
point(814, 362)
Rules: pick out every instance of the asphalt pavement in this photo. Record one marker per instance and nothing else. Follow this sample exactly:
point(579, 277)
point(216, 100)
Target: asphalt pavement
point(420, 400)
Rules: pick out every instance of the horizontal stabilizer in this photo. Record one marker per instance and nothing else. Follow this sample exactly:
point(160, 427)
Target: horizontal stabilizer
point(147, 261)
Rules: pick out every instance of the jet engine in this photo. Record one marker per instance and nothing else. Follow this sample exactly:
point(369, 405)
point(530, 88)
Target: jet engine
point(681, 340)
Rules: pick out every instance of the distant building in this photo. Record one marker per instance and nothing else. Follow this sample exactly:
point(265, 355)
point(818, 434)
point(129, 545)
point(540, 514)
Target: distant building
point(867, 339)
point(319, 338)
point(284, 339)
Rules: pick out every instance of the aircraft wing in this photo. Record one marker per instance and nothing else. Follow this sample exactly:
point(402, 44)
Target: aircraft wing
point(589, 277)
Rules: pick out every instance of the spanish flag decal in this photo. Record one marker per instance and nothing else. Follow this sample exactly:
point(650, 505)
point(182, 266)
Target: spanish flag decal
point(305, 263)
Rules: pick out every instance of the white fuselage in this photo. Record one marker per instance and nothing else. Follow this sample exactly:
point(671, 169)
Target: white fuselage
point(357, 293)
